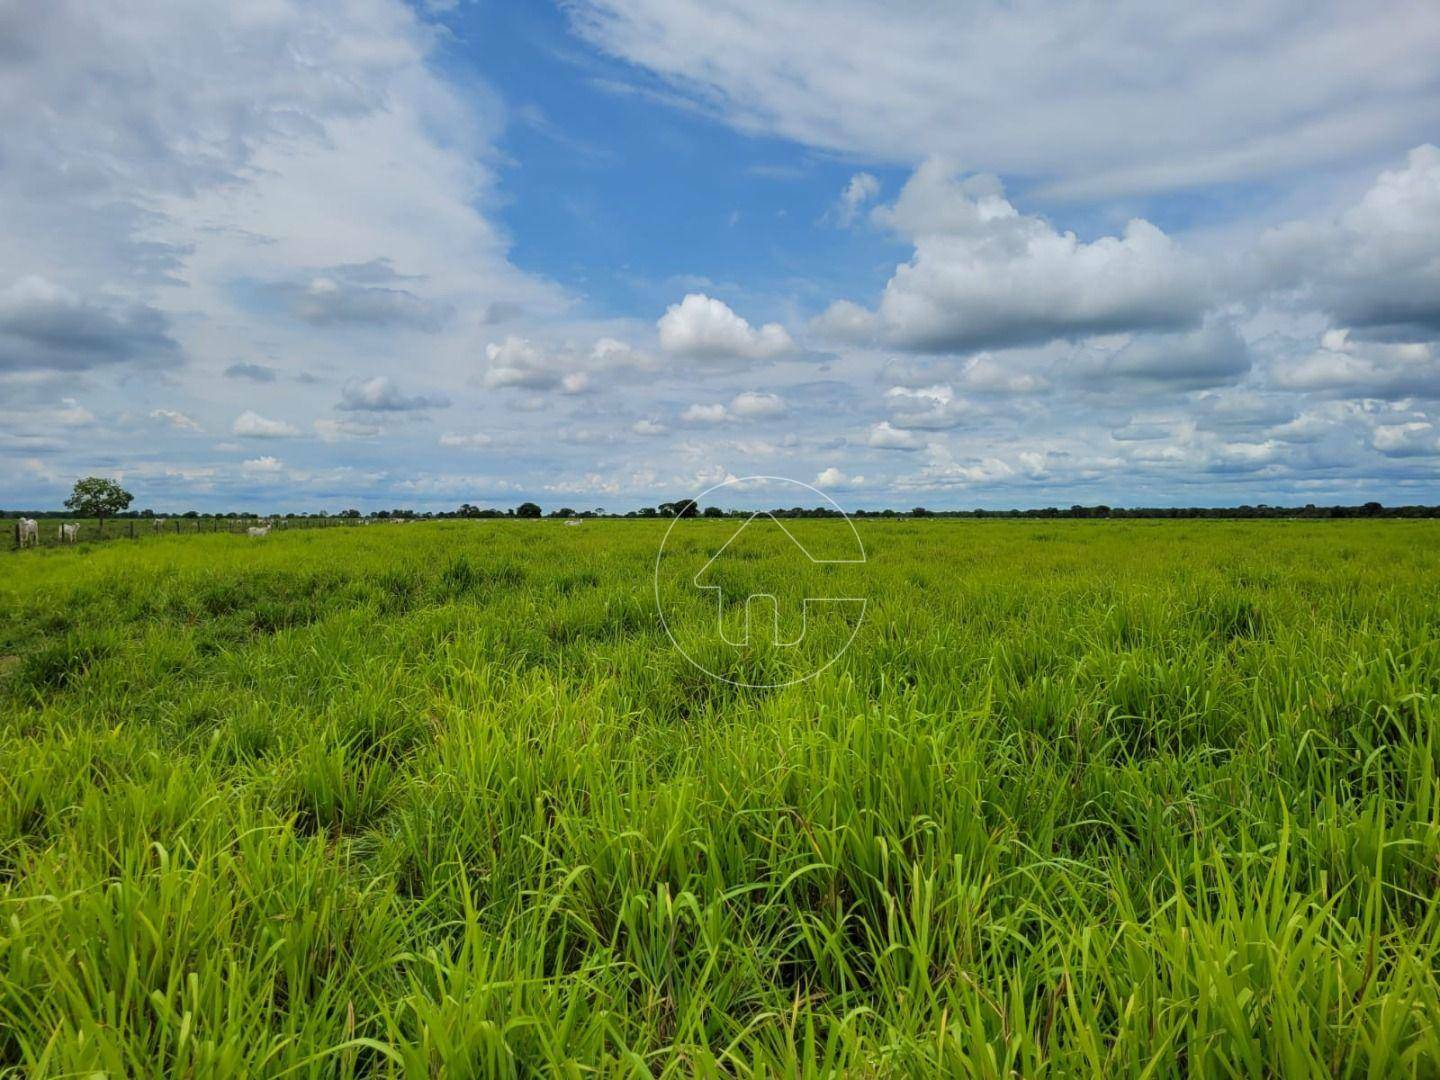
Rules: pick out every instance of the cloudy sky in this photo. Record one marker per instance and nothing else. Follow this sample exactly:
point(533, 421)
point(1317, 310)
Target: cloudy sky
point(285, 256)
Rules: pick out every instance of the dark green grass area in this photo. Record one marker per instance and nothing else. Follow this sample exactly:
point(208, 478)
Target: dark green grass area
point(1102, 798)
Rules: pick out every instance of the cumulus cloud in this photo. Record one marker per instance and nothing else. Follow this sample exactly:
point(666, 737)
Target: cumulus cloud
point(945, 470)
point(46, 326)
point(266, 464)
point(1375, 369)
point(517, 362)
point(747, 405)
point(846, 321)
point(380, 394)
point(175, 419)
point(1414, 439)
point(649, 428)
point(752, 405)
point(705, 414)
point(987, 374)
point(702, 328)
point(835, 480)
point(885, 436)
point(521, 363)
point(1376, 266)
point(251, 425)
point(931, 408)
point(984, 275)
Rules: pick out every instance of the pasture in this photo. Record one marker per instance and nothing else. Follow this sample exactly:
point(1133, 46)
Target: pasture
point(1102, 798)
point(143, 528)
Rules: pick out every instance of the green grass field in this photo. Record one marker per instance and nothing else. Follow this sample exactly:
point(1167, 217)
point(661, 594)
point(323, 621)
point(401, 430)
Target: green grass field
point(1100, 798)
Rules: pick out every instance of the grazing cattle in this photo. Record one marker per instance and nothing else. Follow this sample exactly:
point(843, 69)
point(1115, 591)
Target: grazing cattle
point(29, 532)
point(572, 521)
point(69, 533)
point(160, 523)
point(258, 530)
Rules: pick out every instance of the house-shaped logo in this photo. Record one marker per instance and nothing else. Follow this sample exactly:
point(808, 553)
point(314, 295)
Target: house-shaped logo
point(768, 599)
point(766, 606)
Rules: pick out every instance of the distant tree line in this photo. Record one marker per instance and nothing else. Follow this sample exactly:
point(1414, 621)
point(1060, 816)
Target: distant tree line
point(106, 503)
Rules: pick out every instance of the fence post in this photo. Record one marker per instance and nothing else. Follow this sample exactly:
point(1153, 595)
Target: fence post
point(17, 532)
point(132, 528)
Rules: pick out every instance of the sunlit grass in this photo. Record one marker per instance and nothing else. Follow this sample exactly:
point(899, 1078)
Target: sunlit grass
point(1082, 797)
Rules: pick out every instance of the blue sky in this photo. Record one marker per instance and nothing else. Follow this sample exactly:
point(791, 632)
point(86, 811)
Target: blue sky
point(620, 196)
point(610, 252)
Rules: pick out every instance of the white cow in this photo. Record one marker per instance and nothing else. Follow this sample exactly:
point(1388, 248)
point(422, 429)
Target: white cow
point(29, 532)
point(258, 530)
point(69, 533)
point(572, 521)
point(160, 523)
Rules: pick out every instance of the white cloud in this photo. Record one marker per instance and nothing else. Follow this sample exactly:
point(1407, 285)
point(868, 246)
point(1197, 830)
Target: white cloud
point(984, 275)
point(649, 428)
point(987, 374)
point(519, 362)
point(862, 188)
point(931, 408)
point(575, 382)
point(380, 394)
point(1414, 439)
point(610, 354)
point(835, 480)
point(1375, 266)
point(175, 419)
point(1373, 369)
point(705, 414)
point(266, 464)
point(703, 328)
point(845, 320)
point(944, 470)
point(885, 436)
point(1131, 96)
point(251, 425)
point(752, 405)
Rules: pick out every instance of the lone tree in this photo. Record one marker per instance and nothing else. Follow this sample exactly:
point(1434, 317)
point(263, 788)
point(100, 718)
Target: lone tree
point(98, 497)
point(527, 510)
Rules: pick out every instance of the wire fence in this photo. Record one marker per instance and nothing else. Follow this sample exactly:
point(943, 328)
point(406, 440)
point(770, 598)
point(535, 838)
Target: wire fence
point(50, 530)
